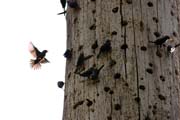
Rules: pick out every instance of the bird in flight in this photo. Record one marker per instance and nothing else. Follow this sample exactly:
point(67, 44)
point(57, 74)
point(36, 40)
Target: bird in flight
point(39, 56)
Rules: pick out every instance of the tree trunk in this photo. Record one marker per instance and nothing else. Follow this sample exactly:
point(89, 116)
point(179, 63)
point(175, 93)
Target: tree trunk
point(144, 82)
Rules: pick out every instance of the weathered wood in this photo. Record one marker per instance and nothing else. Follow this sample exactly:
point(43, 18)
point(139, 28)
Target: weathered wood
point(146, 86)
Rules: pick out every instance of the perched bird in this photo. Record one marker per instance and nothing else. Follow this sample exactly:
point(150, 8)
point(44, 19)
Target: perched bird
point(60, 84)
point(68, 54)
point(105, 48)
point(80, 62)
point(171, 48)
point(161, 40)
point(95, 73)
point(63, 3)
point(39, 57)
point(92, 73)
point(87, 73)
point(73, 4)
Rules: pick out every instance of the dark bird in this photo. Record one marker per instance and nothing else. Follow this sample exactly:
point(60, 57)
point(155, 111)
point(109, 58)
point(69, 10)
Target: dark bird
point(95, 73)
point(92, 73)
point(171, 48)
point(161, 40)
point(94, 46)
point(80, 62)
point(39, 57)
point(105, 48)
point(60, 84)
point(73, 4)
point(63, 3)
point(68, 54)
point(87, 73)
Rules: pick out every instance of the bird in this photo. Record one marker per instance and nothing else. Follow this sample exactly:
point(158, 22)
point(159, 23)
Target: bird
point(95, 73)
point(105, 48)
point(92, 72)
point(60, 84)
point(63, 3)
point(171, 48)
point(80, 62)
point(87, 73)
point(161, 40)
point(73, 4)
point(39, 56)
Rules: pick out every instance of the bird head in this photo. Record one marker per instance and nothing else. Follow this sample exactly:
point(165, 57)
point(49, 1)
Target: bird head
point(168, 38)
point(45, 51)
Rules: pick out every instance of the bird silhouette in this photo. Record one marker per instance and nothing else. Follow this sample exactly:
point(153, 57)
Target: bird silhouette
point(161, 40)
point(63, 4)
point(39, 56)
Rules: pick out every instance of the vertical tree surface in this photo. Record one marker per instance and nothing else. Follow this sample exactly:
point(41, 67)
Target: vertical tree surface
point(144, 82)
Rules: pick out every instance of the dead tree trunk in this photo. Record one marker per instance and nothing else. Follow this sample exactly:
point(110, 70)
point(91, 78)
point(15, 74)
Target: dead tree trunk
point(143, 84)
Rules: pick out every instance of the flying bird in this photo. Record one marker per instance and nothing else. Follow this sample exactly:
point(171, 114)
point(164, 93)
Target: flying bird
point(161, 40)
point(171, 48)
point(39, 56)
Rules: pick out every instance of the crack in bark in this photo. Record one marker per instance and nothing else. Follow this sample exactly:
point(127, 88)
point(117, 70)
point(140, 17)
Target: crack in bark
point(136, 61)
point(125, 53)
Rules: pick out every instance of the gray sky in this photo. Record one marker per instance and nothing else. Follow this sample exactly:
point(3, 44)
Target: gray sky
point(27, 94)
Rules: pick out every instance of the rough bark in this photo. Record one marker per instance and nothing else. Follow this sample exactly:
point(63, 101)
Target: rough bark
point(148, 87)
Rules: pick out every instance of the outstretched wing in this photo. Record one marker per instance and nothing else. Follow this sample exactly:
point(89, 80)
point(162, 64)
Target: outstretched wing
point(44, 60)
point(33, 50)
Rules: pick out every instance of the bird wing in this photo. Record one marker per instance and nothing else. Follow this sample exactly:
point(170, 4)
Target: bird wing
point(44, 60)
point(63, 3)
point(33, 50)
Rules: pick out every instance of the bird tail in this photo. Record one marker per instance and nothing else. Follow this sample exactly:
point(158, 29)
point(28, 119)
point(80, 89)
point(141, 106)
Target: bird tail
point(35, 65)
